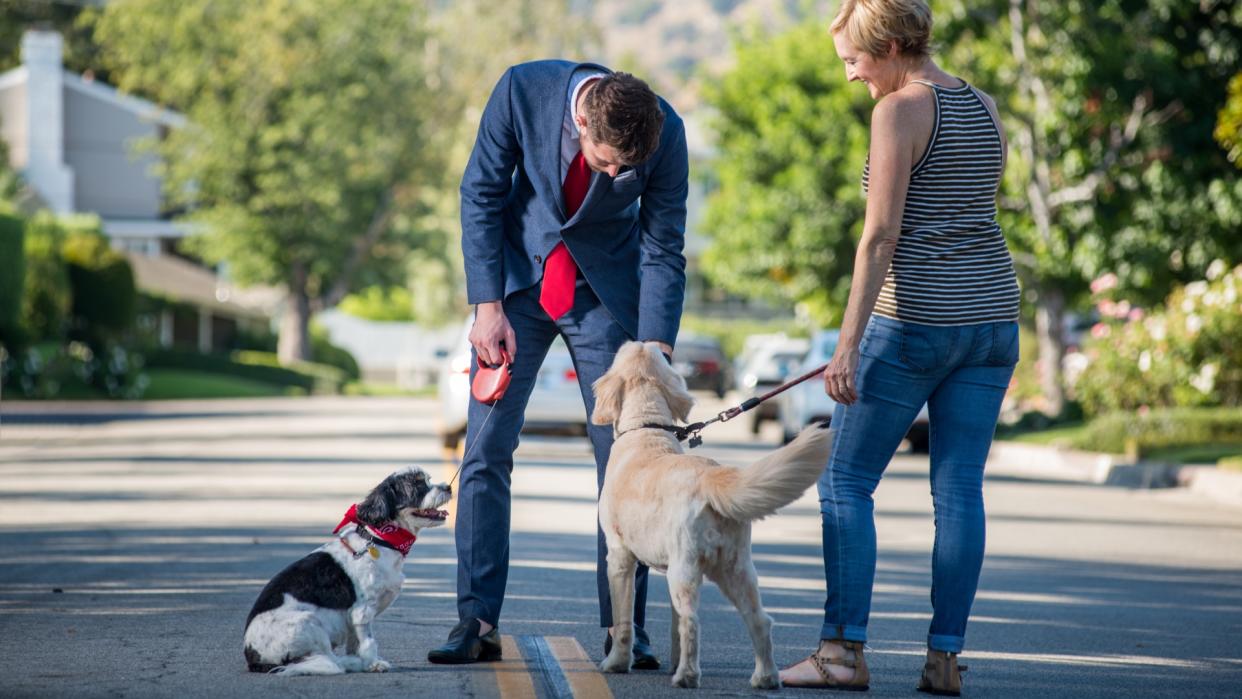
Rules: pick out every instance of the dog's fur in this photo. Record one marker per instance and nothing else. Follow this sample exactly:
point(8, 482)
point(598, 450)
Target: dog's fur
point(686, 515)
point(326, 601)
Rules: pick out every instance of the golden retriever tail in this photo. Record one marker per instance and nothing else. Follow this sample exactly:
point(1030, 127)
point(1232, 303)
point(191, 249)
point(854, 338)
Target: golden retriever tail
point(756, 491)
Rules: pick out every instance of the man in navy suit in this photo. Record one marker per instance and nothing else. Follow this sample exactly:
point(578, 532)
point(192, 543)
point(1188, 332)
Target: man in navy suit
point(573, 210)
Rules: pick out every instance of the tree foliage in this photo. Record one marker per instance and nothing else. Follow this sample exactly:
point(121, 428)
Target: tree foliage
point(310, 155)
point(792, 140)
point(1229, 126)
point(1109, 106)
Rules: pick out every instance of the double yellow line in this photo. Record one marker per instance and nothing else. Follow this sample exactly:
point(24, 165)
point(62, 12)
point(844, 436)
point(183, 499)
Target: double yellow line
point(547, 667)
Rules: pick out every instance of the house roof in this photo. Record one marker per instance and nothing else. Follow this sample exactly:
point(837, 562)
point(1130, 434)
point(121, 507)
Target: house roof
point(144, 109)
point(179, 280)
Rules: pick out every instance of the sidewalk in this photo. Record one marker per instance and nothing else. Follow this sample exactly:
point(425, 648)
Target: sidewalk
point(1043, 462)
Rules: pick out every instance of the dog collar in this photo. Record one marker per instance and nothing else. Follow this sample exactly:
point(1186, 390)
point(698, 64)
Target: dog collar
point(388, 535)
point(679, 432)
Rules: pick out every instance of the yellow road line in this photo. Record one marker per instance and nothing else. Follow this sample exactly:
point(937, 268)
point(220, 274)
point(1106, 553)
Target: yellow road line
point(580, 671)
point(512, 675)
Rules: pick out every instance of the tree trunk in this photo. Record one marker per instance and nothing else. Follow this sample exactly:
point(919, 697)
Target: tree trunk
point(294, 342)
point(1049, 329)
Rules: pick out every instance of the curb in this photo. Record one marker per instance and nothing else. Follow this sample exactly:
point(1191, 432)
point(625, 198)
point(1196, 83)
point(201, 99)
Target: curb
point(1060, 464)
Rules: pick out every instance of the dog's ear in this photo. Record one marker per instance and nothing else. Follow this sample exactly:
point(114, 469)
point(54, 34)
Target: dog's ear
point(672, 385)
point(609, 390)
point(679, 399)
point(380, 505)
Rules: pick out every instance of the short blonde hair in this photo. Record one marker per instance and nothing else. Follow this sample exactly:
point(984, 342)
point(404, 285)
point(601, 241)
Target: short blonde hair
point(872, 24)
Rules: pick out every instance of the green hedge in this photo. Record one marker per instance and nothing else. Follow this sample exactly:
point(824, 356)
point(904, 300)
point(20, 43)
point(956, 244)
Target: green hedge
point(104, 294)
point(12, 277)
point(1162, 429)
point(255, 366)
point(47, 296)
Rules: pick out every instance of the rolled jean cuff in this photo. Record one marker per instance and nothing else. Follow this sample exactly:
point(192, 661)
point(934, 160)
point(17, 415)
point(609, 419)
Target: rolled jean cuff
point(839, 632)
point(945, 644)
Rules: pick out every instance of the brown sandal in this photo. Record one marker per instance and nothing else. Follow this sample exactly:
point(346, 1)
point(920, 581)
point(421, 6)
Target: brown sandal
point(853, 659)
point(942, 675)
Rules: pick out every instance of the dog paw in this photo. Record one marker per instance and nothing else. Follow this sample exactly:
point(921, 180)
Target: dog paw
point(615, 664)
point(686, 680)
point(379, 666)
point(765, 681)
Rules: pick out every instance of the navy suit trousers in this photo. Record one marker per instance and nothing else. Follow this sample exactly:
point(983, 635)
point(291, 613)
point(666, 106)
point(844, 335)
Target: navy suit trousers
point(483, 501)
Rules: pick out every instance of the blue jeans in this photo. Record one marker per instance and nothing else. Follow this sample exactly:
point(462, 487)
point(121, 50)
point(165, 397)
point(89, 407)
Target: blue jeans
point(483, 501)
point(961, 372)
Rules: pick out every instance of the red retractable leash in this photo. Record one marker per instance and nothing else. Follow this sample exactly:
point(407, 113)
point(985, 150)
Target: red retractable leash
point(488, 387)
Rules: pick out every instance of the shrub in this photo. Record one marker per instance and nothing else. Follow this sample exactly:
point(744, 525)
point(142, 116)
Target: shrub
point(12, 278)
point(104, 295)
point(46, 296)
point(49, 371)
point(1186, 353)
point(1149, 430)
point(324, 352)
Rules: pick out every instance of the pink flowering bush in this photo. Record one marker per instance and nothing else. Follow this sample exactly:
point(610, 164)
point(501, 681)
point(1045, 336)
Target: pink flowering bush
point(1187, 353)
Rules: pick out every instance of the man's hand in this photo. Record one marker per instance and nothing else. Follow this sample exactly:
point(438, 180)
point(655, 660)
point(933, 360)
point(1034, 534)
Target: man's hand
point(666, 349)
point(491, 328)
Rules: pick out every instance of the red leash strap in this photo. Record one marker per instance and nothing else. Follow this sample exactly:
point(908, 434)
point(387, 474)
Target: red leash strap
point(692, 431)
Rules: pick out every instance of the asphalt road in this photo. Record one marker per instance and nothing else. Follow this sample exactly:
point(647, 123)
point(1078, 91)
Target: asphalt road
point(134, 538)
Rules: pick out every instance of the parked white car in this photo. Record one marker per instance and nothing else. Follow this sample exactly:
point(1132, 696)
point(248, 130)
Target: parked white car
point(555, 404)
point(768, 364)
point(808, 402)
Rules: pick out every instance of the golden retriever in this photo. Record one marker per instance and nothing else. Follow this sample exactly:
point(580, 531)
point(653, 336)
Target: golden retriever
point(687, 516)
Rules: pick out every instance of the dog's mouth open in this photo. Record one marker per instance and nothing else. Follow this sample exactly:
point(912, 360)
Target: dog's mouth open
point(432, 514)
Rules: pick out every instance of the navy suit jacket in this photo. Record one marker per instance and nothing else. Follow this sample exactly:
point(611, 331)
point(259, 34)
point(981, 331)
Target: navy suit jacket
point(513, 210)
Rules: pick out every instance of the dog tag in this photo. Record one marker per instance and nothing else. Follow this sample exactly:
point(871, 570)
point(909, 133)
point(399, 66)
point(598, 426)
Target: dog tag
point(695, 441)
point(373, 551)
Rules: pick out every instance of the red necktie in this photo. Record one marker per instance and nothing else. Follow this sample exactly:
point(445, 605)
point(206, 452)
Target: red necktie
point(556, 294)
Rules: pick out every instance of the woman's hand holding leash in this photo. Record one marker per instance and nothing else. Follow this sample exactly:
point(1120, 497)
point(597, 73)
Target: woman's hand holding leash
point(839, 377)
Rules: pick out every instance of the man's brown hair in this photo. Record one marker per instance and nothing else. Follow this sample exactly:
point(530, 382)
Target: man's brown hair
point(622, 112)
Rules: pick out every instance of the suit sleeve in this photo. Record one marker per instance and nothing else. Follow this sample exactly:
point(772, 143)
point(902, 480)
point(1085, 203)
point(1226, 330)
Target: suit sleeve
point(662, 218)
point(484, 187)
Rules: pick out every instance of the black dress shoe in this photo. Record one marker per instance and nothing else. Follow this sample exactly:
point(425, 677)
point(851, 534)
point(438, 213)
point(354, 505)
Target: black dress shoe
point(644, 657)
point(465, 645)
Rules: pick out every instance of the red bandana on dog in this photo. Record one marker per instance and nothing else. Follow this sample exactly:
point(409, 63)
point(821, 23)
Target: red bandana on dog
point(396, 537)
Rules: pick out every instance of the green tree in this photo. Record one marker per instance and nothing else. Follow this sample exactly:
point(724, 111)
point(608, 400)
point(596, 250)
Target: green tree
point(312, 154)
point(1229, 125)
point(16, 16)
point(1109, 106)
point(792, 140)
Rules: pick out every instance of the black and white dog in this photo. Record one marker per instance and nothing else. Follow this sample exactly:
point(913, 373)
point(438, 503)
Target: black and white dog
point(327, 600)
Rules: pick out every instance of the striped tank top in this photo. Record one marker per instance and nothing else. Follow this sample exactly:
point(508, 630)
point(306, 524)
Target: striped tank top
point(951, 266)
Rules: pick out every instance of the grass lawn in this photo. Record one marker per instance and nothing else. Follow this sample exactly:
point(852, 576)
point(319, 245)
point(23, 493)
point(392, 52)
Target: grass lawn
point(1067, 436)
point(1061, 435)
point(169, 384)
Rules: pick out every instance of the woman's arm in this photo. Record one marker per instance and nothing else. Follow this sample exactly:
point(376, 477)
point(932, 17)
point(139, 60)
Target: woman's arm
point(899, 120)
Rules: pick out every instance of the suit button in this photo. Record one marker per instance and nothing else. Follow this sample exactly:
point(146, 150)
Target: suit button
point(538, 259)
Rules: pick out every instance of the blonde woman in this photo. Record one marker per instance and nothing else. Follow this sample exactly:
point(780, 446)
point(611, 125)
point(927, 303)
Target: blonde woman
point(931, 319)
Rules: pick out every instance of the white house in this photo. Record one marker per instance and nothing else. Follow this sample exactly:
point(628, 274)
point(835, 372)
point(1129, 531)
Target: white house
point(74, 141)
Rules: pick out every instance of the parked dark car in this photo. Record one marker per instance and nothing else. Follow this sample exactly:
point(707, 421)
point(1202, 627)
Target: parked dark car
point(702, 363)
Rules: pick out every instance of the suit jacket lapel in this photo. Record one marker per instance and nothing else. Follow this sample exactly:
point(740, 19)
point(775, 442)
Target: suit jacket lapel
point(599, 185)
